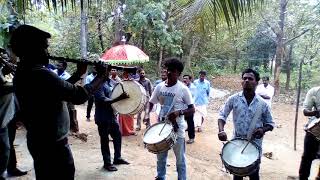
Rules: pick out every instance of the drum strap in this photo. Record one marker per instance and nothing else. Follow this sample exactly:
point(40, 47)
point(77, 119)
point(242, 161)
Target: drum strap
point(254, 120)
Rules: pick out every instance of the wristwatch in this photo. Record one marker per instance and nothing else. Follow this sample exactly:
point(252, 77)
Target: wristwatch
point(180, 112)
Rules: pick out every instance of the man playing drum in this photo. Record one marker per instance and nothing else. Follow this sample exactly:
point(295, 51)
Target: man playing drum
point(245, 105)
point(106, 121)
point(173, 96)
point(311, 108)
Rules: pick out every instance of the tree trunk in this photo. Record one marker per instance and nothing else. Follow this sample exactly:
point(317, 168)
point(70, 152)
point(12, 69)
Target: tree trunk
point(84, 31)
point(84, 34)
point(271, 67)
point(280, 46)
point(143, 37)
point(288, 67)
point(160, 60)
point(236, 60)
point(99, 20)
point(194, 45)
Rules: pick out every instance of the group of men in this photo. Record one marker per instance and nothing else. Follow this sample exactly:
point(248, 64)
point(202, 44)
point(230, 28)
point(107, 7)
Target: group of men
point(46, 117)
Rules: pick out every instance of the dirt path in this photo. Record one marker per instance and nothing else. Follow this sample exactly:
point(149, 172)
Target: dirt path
point(203, 160)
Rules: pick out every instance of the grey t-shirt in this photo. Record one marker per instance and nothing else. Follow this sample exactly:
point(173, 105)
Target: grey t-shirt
point(172, 98)
point(146, 83)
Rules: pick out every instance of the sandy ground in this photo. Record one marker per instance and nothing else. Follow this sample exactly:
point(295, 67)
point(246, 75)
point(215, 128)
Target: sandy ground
point(203, 160)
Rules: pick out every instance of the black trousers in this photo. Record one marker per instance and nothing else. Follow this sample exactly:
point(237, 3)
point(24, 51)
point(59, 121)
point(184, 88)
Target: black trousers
point(311, 145)
point(89, 106)
point(190, 123)
point(4, 150)
point(253, 176)
point(74, 126)
point(52, 160)
point(12, 129)
point(114, 131)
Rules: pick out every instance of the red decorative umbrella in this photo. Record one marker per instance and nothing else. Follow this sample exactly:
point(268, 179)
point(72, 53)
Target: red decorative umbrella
point(124, 54)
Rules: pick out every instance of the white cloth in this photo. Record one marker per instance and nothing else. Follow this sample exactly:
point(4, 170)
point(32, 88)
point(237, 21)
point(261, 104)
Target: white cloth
point(89, 78)
point(265, 91)
point(65, 75)
point(201, 112)
point(177, 95)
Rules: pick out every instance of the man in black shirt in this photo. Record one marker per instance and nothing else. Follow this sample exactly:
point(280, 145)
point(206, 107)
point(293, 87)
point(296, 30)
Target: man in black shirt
point(42, 96)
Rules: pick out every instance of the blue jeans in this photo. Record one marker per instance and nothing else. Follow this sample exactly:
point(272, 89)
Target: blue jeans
point(179, 151)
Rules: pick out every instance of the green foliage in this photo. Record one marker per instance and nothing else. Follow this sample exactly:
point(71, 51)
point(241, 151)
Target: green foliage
point(147, 21)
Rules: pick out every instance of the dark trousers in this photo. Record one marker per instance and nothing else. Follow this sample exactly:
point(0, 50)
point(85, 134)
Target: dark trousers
point(52, 160)
point(74, 127)
point(311, 145)
point(89, 106)
point(114, 131)
point(12, 128)
point(4, 149)
point(253, 176)
point(190, 123)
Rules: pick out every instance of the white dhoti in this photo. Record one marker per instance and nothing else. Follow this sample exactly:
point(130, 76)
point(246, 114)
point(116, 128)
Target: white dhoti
point(201, 113)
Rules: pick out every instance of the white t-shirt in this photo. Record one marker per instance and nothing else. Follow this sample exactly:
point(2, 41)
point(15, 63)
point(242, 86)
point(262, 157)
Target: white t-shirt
point(180, 94)
point(266, 91)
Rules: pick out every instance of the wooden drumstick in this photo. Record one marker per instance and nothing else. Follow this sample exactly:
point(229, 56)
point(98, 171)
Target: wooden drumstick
point(165, 123)
point(245, 146)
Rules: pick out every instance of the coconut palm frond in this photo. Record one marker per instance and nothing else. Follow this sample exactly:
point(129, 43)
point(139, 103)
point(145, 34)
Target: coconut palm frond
point(190, 11)
point(229, 11)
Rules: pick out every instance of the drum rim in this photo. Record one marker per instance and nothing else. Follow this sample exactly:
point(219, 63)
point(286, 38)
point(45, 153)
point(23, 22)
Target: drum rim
point(150, 128)
point(238, 138)
point(140, 100)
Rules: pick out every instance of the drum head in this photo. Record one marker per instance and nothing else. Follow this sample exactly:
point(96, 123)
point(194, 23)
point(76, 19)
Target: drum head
point(135, 92)
point(312, 123)
point(152, 135)
point(231, 153)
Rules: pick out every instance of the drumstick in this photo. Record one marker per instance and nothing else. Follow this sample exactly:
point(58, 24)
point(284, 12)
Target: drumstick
point(121, 86)
point(245, 146)
point(162, 127)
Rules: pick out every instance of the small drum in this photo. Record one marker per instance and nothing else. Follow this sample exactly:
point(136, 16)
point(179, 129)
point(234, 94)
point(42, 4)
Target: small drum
point(157, 142)
point(313, 127)
point(237, 163)
point(136, 101)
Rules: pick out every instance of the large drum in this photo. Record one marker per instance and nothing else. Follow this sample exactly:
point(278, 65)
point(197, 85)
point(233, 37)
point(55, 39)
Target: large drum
point(157, 142)
point(240, 164)
point(136, 101)
point(313, 127)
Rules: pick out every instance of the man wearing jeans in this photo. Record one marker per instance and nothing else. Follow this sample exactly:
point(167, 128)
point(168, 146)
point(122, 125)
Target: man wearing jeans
point(173, 96)
point(251, 116)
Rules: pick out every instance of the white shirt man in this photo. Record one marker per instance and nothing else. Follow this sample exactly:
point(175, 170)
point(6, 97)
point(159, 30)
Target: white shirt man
point(265, 90)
